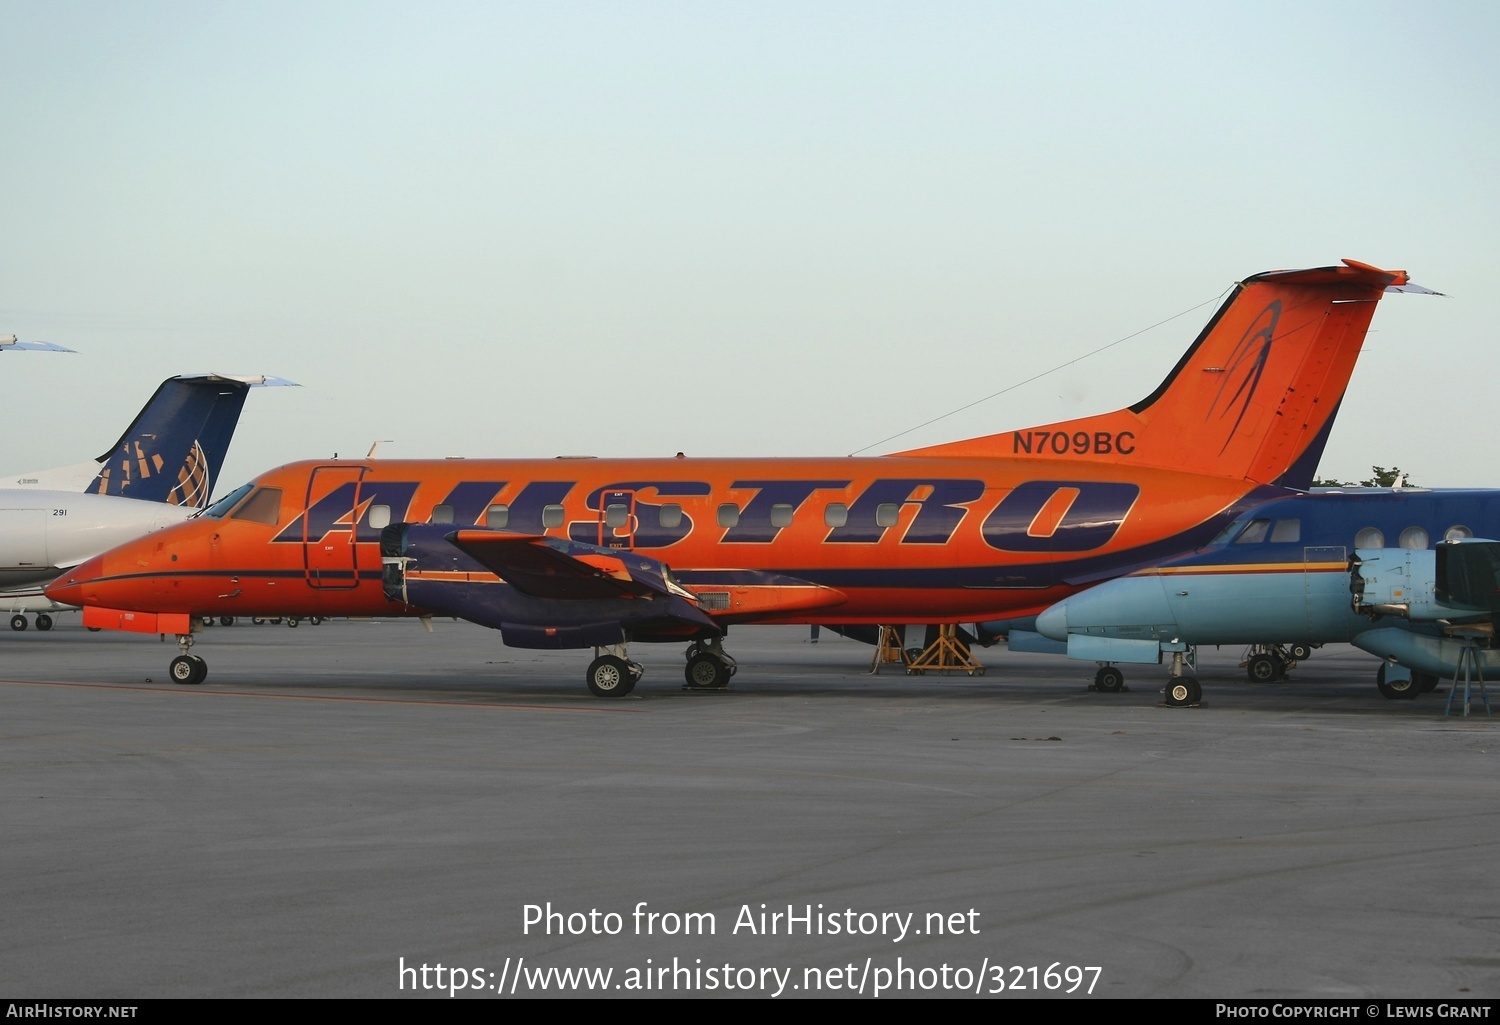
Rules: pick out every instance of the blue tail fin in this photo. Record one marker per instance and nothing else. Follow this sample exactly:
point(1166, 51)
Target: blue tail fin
point(173, 451)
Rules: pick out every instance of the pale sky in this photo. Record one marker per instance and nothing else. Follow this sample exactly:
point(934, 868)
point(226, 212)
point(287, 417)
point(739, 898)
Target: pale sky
point(629, 229)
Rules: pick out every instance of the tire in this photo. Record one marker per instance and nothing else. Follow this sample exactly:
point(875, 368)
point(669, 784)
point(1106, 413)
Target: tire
point(1263, 669)
point(43, 621)
point(1109, 679)
point(257, 620)
point(1183, 691)
point(206, 620)
point(18, 622)
point(1426, 682)
point(292, 622)
point(315, 621)
point(185, 669)
point(1397, 690)
point(609, 676)
point(95, 629)
point(226, 621)
point(704, 672)
point(1300, 652)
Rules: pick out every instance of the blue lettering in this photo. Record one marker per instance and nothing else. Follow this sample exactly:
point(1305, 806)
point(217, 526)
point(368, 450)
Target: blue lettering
point(755, 526)
point(1091, 520)
point(938, 515)
point(649, 531)
point(334, 512)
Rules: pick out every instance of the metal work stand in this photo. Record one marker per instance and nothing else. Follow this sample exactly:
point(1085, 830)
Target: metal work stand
point(888, 650)
point(1471, 671)
point(945, 653)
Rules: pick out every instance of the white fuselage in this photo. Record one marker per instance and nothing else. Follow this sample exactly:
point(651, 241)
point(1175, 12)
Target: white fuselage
point(44, 532)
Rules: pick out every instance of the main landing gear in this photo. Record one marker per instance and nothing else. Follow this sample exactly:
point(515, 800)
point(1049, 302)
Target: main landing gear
point(185, 668)
point(612, 675)
point(708, 667)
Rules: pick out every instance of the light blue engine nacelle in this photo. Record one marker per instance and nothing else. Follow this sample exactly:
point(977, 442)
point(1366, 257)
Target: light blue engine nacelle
point(1405, 582)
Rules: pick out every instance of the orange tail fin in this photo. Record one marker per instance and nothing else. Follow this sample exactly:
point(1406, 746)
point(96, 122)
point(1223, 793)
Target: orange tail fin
point(1253, 398)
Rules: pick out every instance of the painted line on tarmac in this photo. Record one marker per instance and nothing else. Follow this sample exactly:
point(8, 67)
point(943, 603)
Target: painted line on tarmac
point(126, 688)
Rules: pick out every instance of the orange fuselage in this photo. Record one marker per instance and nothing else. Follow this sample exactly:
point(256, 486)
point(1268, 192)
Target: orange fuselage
point(858, 540)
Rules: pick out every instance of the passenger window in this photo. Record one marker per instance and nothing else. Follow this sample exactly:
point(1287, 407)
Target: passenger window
point(1255, 533)
point(441, 514)
point(781, 514)
point(262, 507)
point(1286, 532)
point(836, 515)
point(669, 516)
point(887, 513)
point(616, 514)
point(1457, 532)
point(1369, 537)
point(380, 516)
point(1413, 537)
point(729, 515)
point(497, 516)
point(552, 516)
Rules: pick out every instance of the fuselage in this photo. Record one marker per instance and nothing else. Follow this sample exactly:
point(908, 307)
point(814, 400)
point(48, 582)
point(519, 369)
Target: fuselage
point(939, 538)
point(41, 531)
point(1280, 573)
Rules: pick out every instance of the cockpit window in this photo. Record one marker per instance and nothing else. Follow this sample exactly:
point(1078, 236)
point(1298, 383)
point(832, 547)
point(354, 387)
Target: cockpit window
point(1286, 532)
point(262, 507)
point(228, 502)
point(1228, 532)
point(1255, 533)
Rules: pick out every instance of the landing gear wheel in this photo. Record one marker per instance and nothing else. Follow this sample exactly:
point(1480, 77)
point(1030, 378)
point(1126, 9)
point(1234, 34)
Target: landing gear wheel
point(1263, 669)
point(1426, 682)
point(292, 622)
point(226, 621)
point(609, 676)
point(189, 670)
point(1397, 690)
point(706, 672)
point(315, 621)
point(1183, 691)
point(44, 622)
point(1109, 679)
point(18, 622)
point(206, 620)
point(257, 620)
point(1300, 652)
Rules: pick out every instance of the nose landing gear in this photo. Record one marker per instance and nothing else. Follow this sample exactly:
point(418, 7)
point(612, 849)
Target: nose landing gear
point(186, 669)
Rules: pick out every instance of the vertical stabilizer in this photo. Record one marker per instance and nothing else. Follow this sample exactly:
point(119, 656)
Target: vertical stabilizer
point(1250, 399)
point(173, 451)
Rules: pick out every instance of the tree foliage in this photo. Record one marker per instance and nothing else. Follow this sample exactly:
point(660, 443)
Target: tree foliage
point(1380, 477)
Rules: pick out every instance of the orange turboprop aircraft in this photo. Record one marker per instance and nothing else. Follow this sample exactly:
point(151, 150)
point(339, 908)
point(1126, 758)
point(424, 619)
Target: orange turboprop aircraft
point(564, 553)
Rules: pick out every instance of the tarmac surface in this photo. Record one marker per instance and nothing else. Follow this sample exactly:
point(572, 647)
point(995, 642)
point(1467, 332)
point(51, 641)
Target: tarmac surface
point(338, 803)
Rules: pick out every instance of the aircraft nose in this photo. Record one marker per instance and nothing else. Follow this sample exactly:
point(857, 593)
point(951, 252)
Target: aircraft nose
point(72, 588)
point(1053, 623)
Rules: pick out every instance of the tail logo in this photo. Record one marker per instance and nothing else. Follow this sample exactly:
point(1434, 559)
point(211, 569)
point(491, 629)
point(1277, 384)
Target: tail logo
point(192, 488)
point(1245, 368)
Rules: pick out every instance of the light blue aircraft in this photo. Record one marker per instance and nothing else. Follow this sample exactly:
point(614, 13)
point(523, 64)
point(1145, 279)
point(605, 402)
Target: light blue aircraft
point(1283, 571)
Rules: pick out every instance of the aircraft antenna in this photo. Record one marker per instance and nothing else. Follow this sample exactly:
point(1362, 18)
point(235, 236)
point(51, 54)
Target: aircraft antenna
point(1044, 373)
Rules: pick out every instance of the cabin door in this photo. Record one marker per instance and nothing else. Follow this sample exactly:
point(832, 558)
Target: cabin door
point(330, 527)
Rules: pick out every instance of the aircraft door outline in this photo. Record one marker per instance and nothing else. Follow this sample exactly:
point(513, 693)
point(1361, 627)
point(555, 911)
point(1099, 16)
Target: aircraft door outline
point(617, 520)
point(328, 558)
